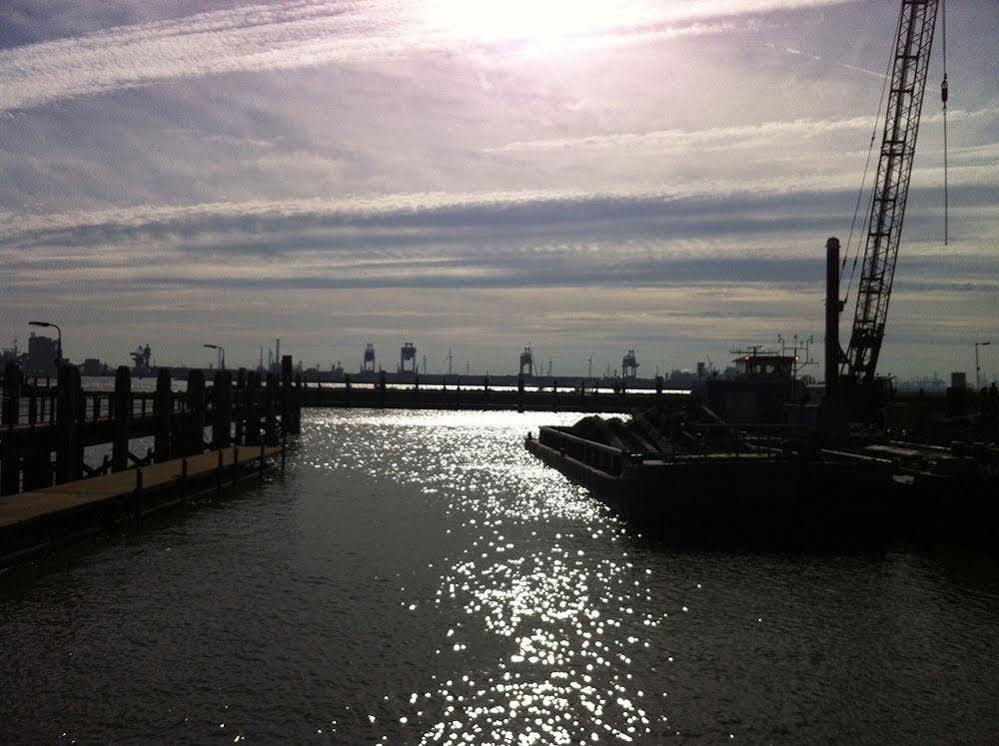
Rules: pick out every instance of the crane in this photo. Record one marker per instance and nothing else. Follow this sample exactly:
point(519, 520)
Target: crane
point(907, 84)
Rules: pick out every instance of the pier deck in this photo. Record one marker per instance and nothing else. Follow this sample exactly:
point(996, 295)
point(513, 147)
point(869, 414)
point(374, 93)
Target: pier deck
point(36, 520)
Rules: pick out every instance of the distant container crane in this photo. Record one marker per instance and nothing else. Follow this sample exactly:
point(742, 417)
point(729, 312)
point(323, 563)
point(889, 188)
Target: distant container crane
point(368, 362)
point(407, 356)
point(527, 361)
point(629, 365)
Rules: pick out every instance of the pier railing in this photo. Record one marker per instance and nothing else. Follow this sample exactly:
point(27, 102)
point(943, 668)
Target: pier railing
point(38, 421)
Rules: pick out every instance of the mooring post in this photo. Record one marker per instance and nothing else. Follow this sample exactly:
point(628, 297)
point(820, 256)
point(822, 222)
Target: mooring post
point(163, 412)
point(195, 418)
point(520, 392)
point(286, 376)
point(37, 464)
point(659, 387)
point(183, 469)
point(296, 406)
point(69, 451)
point(33, 406)
point(262, 445)
point(270, 410)
point(10, 466)
point(382, 386)
point(251, 409)
point(122, 414)
point(235, 465)
point(222, 412)
point(239, 405)
point(291, 398)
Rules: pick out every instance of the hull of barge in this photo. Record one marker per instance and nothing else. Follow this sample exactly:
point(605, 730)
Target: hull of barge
point(784, 503)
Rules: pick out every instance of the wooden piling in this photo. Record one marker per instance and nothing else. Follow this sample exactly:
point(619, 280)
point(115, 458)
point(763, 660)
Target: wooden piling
point(252, 409)
point(122, 408)
point(10, 464)
point(239, 405)
point(163, 412)
point(222, 410)
point(69, 407)
point(194, 440)
point(270, 410)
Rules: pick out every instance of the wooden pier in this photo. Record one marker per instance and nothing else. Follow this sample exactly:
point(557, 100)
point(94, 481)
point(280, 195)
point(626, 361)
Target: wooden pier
point(34, 521)
point(44, 430)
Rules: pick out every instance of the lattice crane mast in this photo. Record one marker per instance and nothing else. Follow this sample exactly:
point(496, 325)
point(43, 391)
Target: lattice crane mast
point(910, 65)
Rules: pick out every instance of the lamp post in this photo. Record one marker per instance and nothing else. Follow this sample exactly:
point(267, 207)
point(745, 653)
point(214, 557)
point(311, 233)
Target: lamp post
point(58, 361)
point(978, 377)
point(221, 354)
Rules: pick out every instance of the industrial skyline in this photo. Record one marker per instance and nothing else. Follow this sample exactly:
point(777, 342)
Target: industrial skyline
point(491, 182)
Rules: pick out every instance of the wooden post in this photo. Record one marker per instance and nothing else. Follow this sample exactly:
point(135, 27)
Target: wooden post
point(296, 407)
point(251, 409)
point(520, 392)
point(222, 411)
point(235, 465)
point(37, 465)
point(194, 440)
point(270, 410)
point(290, 397)
point(122, 414)
point(10, 466)
point(163, 412)
point(33, 406)
point(69, 451)
point(239, 405)
point(659, 387)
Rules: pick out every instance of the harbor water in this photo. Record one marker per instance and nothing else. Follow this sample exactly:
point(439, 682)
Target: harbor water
point(417, 577)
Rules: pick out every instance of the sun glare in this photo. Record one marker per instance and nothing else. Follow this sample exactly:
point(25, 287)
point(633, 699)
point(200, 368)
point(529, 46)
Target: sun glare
point(533, 21)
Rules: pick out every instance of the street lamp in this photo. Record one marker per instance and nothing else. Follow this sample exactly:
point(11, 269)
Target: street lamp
point(221, 354)
point(58, 361)
point(978, 377)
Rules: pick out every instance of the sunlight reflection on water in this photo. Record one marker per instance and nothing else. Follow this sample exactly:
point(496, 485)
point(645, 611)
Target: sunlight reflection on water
point(572, 612)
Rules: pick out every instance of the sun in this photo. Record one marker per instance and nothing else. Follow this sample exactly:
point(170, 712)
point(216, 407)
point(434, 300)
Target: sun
point(545, 22)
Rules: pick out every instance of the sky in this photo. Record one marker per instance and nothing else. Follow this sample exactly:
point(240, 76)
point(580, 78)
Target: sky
point(584, 176)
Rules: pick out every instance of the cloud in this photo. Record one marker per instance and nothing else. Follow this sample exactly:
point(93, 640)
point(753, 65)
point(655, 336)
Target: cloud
point(298, 34)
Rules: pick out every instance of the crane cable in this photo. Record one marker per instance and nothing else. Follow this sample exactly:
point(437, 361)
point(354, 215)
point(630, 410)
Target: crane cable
point(943, 97)
point(863, 183)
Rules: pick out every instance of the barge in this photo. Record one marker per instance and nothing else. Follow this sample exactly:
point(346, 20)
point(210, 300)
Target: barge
point(689, 475)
